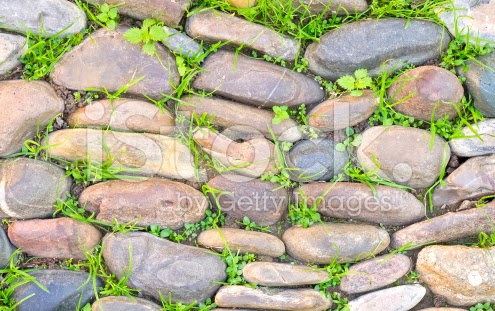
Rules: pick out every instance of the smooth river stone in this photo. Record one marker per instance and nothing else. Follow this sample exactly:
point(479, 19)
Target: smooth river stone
point(214, 26)
point(186, 273)
point(470, 181)
point(375, 273)
point(399, 298)
point(25, 107)
point(477, 143)
point(243, 241)
point(419, 162)
point(315, 160)
point(179, 43)
point(263, 202)
point(29, 188)
point(138, 154)
point(448, 227)
point(236, 296)
point(427, 91)
point(48, 17)
point(168, 11)
point(341, 7)
point(393, 41)
point(463, 275)
point(11, 48)
point(242, 119)
point(123, 303)
point(6, 250)
point(124, 115)
point(92, 64)
point(346, 111)
point(480, 83)
point(67, 290)
point(54, 238)
point(385, 205)
point(250, 158)
point(279, 274)
point(327, 242)
point(476, 18)
point(154, 201)
point(256, 82)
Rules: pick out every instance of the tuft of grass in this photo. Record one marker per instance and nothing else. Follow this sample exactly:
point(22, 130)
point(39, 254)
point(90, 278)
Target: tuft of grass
point(106, 16)
point(340, 303)
point(168, 305)
point(302, 214)
point(235, 263)
point(336, 271)
point(483, 307)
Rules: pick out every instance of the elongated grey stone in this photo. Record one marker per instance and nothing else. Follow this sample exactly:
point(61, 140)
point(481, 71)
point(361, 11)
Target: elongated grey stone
point(390, 41)
point(477, 143)
point(256, 82)
point(279, 274)
point(11, 48)
point(179, 43)
point(214, 26)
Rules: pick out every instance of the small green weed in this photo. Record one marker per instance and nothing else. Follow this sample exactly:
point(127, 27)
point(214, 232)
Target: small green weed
point(412, 277)
point(352, 141)
point(483, 307)
point(107, 16)
point(281, 113)
point(461, 50)
point(235, 263)
point(355, 84)
point(252, 226)
point(90, 172)
point(340, 303)
point(336, 272)
point(302, 214)
point(151, 32)
point(169, 305)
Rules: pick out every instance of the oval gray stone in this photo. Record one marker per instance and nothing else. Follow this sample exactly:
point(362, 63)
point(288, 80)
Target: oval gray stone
point(256, 82)
point(480, 82)
point(463, 275)
point(241, 240)
point(375, 273)
point(399, 298)
point(418, 166)
point(123, 303)
point(472, 180)
point(448, 227)
point(214, 26)
point(154, 201)
point(136, 153)
point(381, 205)
point(48, 17)
point(323, 243)
point(235, 296)
point(258, 200)
point(179, 43)
point(88, 66)
point(315, 160)
point(187, 273)
point(23, 117)
point(406, 41)
point(242, 119)
point(66, 290)
point(30, 188)
point(279, 274)
point(11, 48)
point(6, 249)
point(480, 142)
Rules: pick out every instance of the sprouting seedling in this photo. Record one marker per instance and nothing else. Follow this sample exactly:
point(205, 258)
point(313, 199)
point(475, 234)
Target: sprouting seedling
point(356, 83)
point(281, 113)
point(150, 32)
point(108, 16)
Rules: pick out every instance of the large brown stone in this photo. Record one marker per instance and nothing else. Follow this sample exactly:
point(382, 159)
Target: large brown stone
point(251, 158)
point(346, 111)
point(243, 241)
point(155, 201)
point(235, 296)
point(382, 205)
point(279, 274)
point(463, 275)
point(123, 115)
point(256, 82)
point(427, 91)
point(25, 108)
point(214, 26)
point(168, 11)
point(472, 180)
point(419, 162)
point(137, 154)
point(29, 188)
point(375, 273)
point(327, 242)
point(258, 200)
point(448, 227)
point(92, 64)
point(241, 119)
point(186, 273)
point(54, 238)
